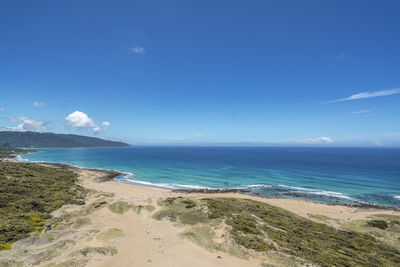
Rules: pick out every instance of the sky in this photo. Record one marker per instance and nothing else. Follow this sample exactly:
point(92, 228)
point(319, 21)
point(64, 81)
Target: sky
point(312, 72)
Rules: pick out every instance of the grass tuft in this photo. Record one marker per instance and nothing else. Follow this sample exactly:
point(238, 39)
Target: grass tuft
point(149, 208)
point(203, 236)
point(5, 246)
point(96, 206)
point(120, 207)
point(82, 222)
point(319, 217)
point(106, 251)
point(110, 234)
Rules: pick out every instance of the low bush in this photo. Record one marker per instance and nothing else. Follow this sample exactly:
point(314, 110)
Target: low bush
point(29, 193)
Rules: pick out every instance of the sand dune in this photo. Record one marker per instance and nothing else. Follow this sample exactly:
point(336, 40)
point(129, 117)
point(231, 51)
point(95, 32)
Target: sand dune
point(125, 234)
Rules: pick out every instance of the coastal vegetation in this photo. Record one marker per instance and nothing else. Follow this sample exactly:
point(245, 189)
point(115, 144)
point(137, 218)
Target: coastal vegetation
point(29, 193)
point(258, 227)
point(82, 222)
point(110, 234)
point(107, 251)
point(384, 227)
point(120, 207)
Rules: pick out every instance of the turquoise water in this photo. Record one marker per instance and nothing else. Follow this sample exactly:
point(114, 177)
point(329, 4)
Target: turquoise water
point(337, 175)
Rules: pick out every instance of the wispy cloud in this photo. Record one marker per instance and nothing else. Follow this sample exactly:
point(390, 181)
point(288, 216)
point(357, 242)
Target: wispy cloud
point(1, 110)
point(363, 111)
point(38, 104)
point(138, 50)
point(368, 95)
point(316, 141)
point(80, 120)
point(198, 134)
point(27, 124)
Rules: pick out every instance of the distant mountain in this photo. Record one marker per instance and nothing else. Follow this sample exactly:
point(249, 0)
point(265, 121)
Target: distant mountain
point(47, 140)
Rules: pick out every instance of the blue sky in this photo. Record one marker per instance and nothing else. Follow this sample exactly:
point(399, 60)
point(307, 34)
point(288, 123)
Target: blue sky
point(195, 72)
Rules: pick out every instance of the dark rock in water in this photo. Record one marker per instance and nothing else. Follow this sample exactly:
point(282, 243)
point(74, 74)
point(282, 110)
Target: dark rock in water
point(293, 194)
point(107, 175)
point(212, 191)
point(381, 224)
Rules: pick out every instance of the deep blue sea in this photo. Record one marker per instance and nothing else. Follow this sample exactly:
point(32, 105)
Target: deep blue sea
point(344, 175)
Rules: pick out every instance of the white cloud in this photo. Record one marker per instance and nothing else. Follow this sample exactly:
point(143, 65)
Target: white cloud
point(80, 120)
point(368, 95)
point(96, 129)
point(363, 111)
point(38, 104)
point(27, 124)
point(138, 50)
point(1, 110)
point(198, 134)
point(103, 127)
point(316, 141)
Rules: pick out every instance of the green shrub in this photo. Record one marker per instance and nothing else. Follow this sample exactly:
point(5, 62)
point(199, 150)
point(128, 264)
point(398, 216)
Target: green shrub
point(120, 207)
point(5, 246)
point(149, 208)
point(29, 193)
point(381, 224)
point(106, 251)
point(110, 234)
point(82, 222)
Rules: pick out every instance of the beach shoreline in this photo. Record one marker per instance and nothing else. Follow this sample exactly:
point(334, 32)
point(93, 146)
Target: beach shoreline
point(112, 175)
point(271, 181)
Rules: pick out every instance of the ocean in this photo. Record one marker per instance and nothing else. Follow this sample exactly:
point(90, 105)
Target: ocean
point(329, 175)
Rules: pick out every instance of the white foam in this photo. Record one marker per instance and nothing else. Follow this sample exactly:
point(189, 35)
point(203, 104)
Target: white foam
point(187, 186)
point(128, 179)
point(294, 187)
point(253, 186)
point(311, 191)
point(397, 197)
point(20, 159)
point(325, 193)
point(145, 183)
point(126, 174)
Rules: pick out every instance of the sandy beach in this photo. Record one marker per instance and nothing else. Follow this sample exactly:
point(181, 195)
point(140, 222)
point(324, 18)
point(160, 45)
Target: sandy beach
point(97, 235)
